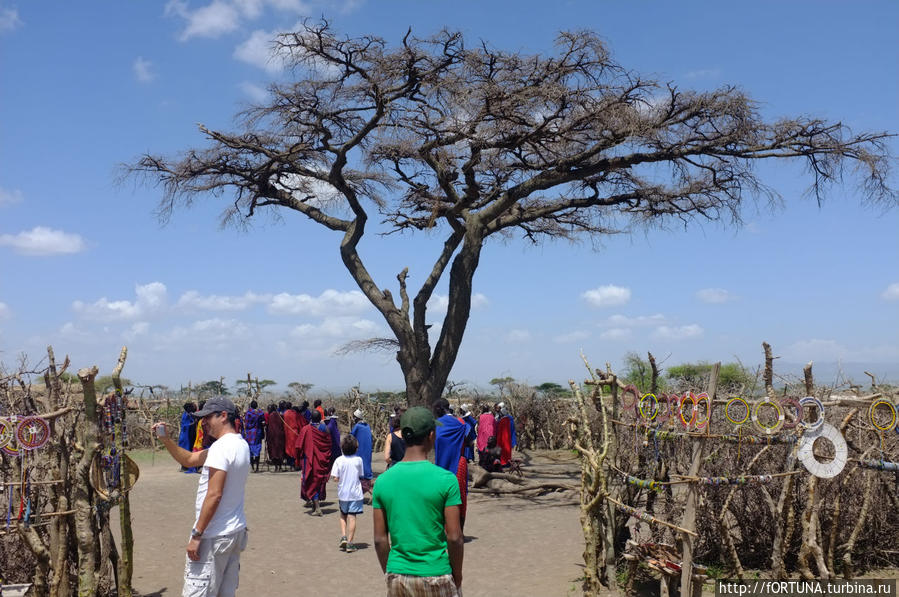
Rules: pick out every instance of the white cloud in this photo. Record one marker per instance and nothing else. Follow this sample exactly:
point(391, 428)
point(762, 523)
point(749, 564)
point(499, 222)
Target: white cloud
point(212, 333)
point(616, 334)
point(254, 92)
point(41, 240)
point(9, 197)
point(259, 50)
point(571, 337)
point(150, 298)
point(607, 296)
point(335, 327)
point(817, 349)
point(623, 321)
point(143, 70)
point(517, 336)
point(9, 19)
point(5, 311)
point(328, 303)
point(439, 303)
point(664, 332)
point(891, 293)
point(137, 329)
point(714, 295)
point(212, 20)
point(194, 300)
point(224, 16)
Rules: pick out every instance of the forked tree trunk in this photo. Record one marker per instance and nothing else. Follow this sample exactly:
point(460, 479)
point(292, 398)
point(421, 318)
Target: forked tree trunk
point(126, 559)
point(85, 530)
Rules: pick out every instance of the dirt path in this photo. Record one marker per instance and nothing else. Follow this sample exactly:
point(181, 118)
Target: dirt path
point(516, 546)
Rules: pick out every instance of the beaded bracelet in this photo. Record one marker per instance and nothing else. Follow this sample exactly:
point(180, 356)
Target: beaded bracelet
point(708, 411)
point(655, 407)
point(768, 429)
point(663, 398)
point(795, 404)
point(727, 410)
point(680, 409)
point(632, 390)
point(892, 410)
point(6, 432)
point(812, 401)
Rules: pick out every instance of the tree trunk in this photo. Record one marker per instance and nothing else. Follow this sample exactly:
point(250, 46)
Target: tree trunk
point(85, 531)
point(126, 560)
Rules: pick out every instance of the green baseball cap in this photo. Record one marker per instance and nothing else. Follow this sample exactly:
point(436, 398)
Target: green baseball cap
point(417, 422)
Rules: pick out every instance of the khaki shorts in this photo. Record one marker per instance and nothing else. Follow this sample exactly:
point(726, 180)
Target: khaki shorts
point(404, 585)
point(215, 573)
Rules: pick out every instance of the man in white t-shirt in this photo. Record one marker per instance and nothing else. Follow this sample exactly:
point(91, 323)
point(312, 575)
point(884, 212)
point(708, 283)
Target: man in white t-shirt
point(219, 534)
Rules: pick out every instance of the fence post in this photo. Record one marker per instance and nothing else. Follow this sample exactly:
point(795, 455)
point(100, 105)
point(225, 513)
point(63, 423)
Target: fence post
point(689, 520)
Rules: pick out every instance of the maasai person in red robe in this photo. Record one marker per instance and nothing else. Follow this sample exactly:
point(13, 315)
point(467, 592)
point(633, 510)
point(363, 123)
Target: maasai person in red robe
point(315, 455)
point(291, 435)
point(506, 438)
point(486, 427)
point(274, 437)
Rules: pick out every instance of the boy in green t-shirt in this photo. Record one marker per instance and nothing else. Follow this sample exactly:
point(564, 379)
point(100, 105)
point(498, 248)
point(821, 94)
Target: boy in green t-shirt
point(417, 504)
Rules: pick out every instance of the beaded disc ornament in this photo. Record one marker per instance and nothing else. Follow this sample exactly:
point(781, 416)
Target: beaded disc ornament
point(824, 470)
point(32, 433)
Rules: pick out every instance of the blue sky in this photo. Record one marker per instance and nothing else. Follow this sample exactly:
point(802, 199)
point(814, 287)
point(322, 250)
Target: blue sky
point(86, 266)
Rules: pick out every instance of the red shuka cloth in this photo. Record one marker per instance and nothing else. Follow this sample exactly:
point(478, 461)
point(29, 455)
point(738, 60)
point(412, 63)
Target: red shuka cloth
point(462, 478)
point(315, 451)
point(486, 428)
point(274, 437)
point(291, 432)
point(504, 440)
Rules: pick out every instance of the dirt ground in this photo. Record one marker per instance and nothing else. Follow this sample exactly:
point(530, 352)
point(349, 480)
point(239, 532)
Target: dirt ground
point(514, 545)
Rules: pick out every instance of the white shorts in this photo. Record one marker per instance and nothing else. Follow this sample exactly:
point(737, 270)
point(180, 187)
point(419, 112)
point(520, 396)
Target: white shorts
point(215, 573)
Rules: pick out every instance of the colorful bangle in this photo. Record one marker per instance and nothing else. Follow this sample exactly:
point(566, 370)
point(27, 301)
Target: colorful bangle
point(664, 398)
point(680, 409)
point(768, 429)
point(892, 409)
point(655, 407)
point(708, 411)
point(32, 433)
point(6, 432)
point(812, 401)
point(727, 410)
point(629, 389)
point(784, 402)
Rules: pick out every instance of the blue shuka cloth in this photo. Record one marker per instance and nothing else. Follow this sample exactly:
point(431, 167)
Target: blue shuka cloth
point(448, 445)
point(184, 436)
point(335, 438)
point(472, 436)
point(512, 426)
point(362, 432)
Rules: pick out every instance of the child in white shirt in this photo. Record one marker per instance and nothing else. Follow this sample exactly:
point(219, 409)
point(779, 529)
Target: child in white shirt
point(348, 472)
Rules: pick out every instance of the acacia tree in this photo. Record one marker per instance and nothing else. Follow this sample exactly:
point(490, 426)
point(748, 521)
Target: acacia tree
point(474, 142)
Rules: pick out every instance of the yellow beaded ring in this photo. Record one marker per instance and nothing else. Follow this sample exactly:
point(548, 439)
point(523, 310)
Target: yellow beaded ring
point(727, 410)
point(768, 429)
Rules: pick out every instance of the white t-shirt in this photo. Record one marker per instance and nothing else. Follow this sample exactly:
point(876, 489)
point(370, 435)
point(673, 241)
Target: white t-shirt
point(229, 453)
point(348, 470)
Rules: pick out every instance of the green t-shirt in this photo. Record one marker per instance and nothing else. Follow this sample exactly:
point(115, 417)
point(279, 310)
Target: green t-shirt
point(413, 496)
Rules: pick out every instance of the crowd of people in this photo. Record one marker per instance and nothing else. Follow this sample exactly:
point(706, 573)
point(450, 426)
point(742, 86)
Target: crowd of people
point(419, 508)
